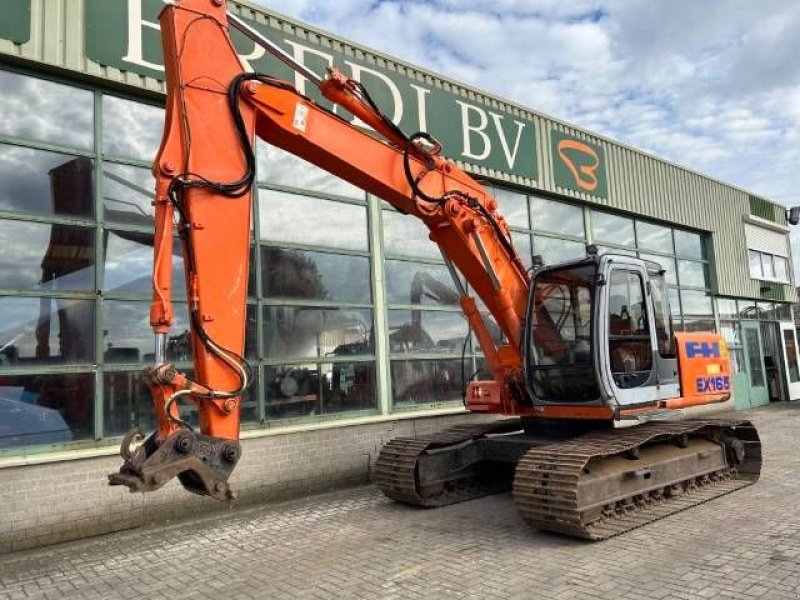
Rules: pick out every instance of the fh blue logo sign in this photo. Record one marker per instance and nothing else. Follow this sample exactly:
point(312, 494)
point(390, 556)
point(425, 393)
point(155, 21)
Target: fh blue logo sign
point(703, 349)
point(720, 383)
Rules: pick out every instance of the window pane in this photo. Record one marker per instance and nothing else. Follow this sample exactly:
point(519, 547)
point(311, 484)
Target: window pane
point(611, 250)
point(309, 332)
point(128, 194)
point(781, 268)
point(129, 264)
point(307, 275)
point(698, 325)
point(45, 183)
point(405, 235)
point(46, 331)
point(667, 263)
point(754, 352)
point(783, 312)
point(417, 283)
point(298, 219)
point(754, 258)
point(46, 257)
point(513, 206)
point(748, 309)
point(790, 349)
point(131, 129)
point(45, 409)
point(315, 389)
point(693, 274)
point(688, 244)
point(696, 303)
point(426, 381)
point(612, 229)
point(522, 242)
point(44, 111)
point(674, 302)
point(554, 250)
point(278, 167)
point(128, 337)
point(127, 402)
point(426, 331)
point(629, 346)
point(726, 308)
point(556, 217)
point(766, 266)
point(654, 237)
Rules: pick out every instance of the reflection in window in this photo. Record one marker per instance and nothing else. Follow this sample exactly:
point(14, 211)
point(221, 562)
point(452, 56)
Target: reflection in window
point(131, 129)
point(310, 332)
point(45, 409)
point(612, 229)
point(699, 325)
point(726, 307)
point(553, 250)
point(674, 302)
point(315, 389)
point(46, 183)
point(426, 331)
point(425, 382)
point(46, 257)
point(419, 283)
point(286, 217)
point(781, 268)
point(522, 242)
point(405, 235)
point(689, 245)
point(629, 346)
point(693, 274)
point(667, 263)
point(790, 347)
point(129, 263)
point(278, 167)
point(128, 194)
point(45, 111)
point(46, 331)
point(128, 337)
point(754, 353)
point(127, 401)
point(308, 275)
point(556, 217)
point(696, 303)
point(655, 238)
point(512, 205)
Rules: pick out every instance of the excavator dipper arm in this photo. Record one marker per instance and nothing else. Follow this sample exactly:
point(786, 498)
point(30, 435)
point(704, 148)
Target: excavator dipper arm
point(204, 173)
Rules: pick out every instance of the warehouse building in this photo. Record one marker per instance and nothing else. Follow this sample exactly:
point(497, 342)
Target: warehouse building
point(353, 330)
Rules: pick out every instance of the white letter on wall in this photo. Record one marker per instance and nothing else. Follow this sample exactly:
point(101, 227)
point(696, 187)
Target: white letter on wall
point(422, 106)
point(397, 101)
point(299, 54)
point(511, 155)
point(479, 129)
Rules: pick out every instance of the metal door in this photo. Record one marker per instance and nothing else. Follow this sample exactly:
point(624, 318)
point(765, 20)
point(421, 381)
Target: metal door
point(791, 359)
point(754, 361)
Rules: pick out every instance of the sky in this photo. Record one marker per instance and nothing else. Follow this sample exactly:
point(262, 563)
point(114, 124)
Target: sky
point(711, 85)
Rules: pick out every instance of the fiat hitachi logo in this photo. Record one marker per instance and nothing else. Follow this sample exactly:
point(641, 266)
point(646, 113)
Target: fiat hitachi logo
point(703, 349)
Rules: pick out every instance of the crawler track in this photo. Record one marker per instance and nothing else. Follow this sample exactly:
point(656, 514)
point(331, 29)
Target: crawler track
point(548, 478)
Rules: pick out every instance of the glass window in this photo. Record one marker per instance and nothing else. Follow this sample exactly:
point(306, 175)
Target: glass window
point(45, 183)
point(426, 381)
point(46, 257)
point(45, 111)
point(318, 389)
point(45, 331)
point(405, 235)
point(612, 229)
point(128, 337)
point(699, 325)
point(748, 309)
point(308, 275)
point(128, 194)
point(131, 129)
point(790, 347)
point(46, 409)
point(129, 264)
point(522, 242)
point(554, 250)
point(696, 303)
point(310, 332)
point(556, 217)
point(611, 250)
point(513, 206)
point(693, 274)
point(781, 268)
point(667, 263)
point(754, 258)
point(286, 217)
point(278, 167)
point(689, 245)
point(419, 283)
point(629, 346)
point(674, 302)
point(426, 331)
point(655, 238)
point(754, 352)
point(726, 308)
point(766, 266)
point(783, 312)
point(662, 317)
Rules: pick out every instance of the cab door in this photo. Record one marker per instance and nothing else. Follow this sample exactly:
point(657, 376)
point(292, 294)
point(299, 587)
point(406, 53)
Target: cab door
point(628, 364)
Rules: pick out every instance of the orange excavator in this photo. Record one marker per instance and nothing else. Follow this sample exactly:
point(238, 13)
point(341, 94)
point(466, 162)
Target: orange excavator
point(586, 344)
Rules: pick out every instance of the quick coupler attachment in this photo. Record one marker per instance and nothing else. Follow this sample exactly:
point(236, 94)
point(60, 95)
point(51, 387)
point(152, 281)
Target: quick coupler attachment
point(202, 463)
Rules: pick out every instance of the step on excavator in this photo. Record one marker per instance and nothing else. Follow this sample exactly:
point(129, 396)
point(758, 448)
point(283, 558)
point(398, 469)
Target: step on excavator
point(587, 346)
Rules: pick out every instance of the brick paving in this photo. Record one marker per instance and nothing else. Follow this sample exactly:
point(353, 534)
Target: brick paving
point(357, 544)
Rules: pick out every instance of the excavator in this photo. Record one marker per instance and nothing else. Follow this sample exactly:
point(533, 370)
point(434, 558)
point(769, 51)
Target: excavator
point(587, 346)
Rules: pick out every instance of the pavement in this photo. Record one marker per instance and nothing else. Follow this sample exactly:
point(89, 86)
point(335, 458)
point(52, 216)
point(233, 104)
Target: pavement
point(357, 544)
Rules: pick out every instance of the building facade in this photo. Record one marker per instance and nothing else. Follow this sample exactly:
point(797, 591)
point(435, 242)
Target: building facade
point(351, 333)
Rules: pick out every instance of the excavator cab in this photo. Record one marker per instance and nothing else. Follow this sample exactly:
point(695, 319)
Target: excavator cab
point(600, 333)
